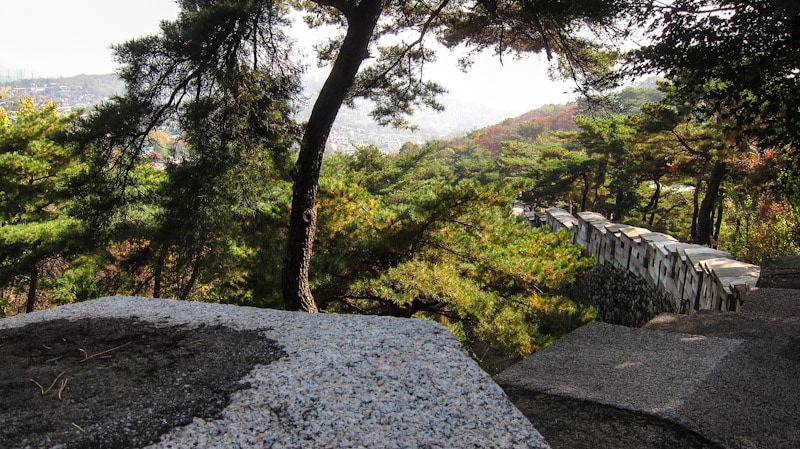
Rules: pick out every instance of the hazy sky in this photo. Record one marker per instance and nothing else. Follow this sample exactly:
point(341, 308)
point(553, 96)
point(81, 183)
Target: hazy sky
point(70, 37)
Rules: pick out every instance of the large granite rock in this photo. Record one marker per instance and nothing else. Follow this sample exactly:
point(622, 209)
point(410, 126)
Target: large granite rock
point(330, 381)
point(728, 380)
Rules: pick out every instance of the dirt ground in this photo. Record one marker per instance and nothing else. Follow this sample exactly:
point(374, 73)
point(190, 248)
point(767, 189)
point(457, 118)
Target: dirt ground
point(781, 272)
point(117, 383)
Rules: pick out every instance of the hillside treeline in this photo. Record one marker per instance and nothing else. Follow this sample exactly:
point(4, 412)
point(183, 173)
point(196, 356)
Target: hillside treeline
point(424, 233)
point(236, 214)
point(651, 157)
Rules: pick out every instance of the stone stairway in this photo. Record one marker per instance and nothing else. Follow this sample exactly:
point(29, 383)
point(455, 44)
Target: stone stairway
point(709, 380)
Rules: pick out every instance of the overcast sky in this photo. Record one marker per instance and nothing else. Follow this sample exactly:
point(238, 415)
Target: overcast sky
point(70, 37)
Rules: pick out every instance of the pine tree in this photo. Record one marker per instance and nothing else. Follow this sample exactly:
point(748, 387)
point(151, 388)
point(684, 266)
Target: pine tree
point(37, 231)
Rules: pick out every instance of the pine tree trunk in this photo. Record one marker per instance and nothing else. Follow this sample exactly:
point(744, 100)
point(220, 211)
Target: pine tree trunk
point(585, 193)
point(704, 220)
point(696, 206)
point(652, 206)
point(718, 223)
point(193, 277)
point(655, 205)
point(159, 272)
point(362, 20)
point(30, 304)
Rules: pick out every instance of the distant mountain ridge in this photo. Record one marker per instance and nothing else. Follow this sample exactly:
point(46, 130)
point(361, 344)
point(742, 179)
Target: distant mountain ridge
point(97, 85)
point(354, 127)
point(560, 117)
point(526, 127)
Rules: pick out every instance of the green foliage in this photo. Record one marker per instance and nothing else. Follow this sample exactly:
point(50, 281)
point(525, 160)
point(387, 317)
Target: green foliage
point(759, 223)
point(79, 281)
point(169, 76)
point(440, 247)
point(755, 239)
point(630, 100)
point(36, 172)
point(215, 217)
point(560, 30)
point(592, 170)
point(658, 169)
point(207, 226)
point(425, 233)
point(562, 177)
point(741, 58)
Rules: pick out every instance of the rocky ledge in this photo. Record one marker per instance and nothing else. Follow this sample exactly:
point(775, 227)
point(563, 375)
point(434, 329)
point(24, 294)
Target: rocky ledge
point(106, 372)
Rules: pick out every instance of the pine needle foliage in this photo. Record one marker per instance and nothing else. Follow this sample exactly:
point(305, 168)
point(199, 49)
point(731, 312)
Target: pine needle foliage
point(411, 244)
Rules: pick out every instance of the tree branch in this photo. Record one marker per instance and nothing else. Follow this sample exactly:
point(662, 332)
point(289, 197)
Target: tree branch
point(425, 27)
point(345, 6)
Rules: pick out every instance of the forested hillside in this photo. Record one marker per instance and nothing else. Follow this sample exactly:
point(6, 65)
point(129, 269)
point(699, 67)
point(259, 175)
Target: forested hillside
point(70, 91)
point(97, 85)
point(251, 211)
point(646, 156)
point(527, 127)
point(425, 233)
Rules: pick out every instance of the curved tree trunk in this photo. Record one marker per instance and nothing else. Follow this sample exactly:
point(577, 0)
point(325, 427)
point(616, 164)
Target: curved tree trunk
point(30, 304)
point(695, 206)
point(705, 223)
point(193, 277)
point(585, 192)
point(718, 223)
point(652, 206)
point(362, 20)
point(159, 272)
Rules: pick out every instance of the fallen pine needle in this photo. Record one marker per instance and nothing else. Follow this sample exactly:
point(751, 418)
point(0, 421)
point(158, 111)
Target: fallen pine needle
point(38, 385)
point(86, 355)
point(63, 385)
point(46, 390)
point(78, 427)
point(54, 383)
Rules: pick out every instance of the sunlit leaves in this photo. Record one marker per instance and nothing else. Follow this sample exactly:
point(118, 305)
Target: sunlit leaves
point(395, 85)
point(557, 29)
point(418, 246)
point(741, 58)
point(36, 173)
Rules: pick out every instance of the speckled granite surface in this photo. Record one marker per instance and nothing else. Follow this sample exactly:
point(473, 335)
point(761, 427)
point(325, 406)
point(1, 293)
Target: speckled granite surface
point(346, 382)
point(733, 378)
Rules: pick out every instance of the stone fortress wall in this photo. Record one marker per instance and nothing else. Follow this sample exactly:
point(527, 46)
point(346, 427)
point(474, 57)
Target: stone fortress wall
point(697, 277)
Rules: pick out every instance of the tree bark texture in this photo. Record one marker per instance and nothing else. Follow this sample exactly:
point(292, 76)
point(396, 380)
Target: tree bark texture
point(652, 206)
point(30, 304)
point(718, 223)
point(695, 206)
point(705, 223)
point(361, 19)
point(585, 192)
point(192, 277)
point(159, 271)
